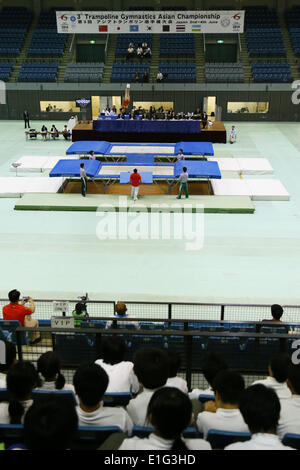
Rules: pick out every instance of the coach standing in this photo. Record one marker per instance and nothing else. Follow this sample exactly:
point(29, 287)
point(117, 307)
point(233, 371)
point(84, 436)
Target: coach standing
point(135, 180)
point(83, 178)
point(26, 118)
point(183, 179)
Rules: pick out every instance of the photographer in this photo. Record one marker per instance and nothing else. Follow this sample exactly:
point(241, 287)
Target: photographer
point(16, 310)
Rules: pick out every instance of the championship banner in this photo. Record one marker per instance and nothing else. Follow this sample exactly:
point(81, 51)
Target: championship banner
point(158, 22)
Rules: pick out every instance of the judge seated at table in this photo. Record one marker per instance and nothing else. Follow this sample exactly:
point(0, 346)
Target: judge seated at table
point(181, 115)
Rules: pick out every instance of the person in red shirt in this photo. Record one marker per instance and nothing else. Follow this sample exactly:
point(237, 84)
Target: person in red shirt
point(135, 180)
point(16, 310)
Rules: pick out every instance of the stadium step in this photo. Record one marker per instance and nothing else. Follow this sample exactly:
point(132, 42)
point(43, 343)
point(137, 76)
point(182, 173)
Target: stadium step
point(110, 57)
point(199, 58)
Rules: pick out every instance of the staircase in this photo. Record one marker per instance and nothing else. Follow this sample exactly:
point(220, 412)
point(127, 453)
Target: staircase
point(110, 58)
point(290, 57)
point(155, 57)
point(66, 58)
point(245, 59)
point(199, 58)
point(23, 54)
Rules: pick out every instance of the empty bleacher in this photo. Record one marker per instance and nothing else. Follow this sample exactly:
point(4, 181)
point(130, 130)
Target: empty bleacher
point(178, 72)
point(177, 45)
point(46, 42)
point(38, 72)
point(84, 72)
point(293, 23)
point(224, 73)
point(273, 72)
point(5, 71)
point(14, 24)
point(125, 71)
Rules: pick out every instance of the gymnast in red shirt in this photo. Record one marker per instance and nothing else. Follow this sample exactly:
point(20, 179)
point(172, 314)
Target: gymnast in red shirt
point(135, 180)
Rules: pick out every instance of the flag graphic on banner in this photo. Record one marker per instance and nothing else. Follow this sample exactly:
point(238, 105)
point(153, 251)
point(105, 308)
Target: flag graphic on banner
point(180, 28)
point(166, 28)
point(133, 28)
point(196, 27)
point(103, 28)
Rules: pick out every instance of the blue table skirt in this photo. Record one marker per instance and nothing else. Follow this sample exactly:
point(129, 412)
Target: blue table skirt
point(137, 126)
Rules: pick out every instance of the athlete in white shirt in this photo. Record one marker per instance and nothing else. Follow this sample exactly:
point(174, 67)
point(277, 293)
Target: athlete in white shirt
point(151, 369)
point(228, 386)
point(120, 372)
point(169, 412)
point(278, 372)
point(289, 421)
point(233, 135)
point(90, 382)
point(260, 408)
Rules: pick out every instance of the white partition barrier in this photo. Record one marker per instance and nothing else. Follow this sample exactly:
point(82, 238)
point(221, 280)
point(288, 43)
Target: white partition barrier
point(17, 186)
point(257, 189)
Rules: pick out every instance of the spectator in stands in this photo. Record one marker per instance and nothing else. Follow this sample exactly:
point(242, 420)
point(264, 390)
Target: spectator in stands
point(21, 379)
point(228, 386)
point(137, 77)
point(10, 360)
point(49, 366)
point(79, 313)
point(121, 312)
point(66, 132)
point(16, 310)
point(278, 374)
point(139, 52)
point(54, 132)
point(174, 365)
point(289, 421)
point(92, 155)
point(120, 373)
point(90, 382)
point(44, 132)
point(50, 424)
point(183, 181)
point(260, 408)
point(83, 179)
point(232, 134)
point(147, 53)
point(180, 155)
point(26, 118)
point(169, 412)
point(276, 312)
point(144, 44)
point(211, 364)
point(130, 52)
point(135, 181)
point(159, 77)
point(151, 368)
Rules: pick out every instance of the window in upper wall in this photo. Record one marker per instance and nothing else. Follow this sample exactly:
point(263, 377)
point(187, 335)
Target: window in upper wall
point(247, 107)
point(59, 107)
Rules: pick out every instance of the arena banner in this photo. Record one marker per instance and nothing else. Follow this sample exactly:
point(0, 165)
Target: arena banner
point(158, 22)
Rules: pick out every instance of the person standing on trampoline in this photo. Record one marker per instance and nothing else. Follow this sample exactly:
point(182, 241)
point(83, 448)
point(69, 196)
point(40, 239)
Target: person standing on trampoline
point(83, 178)
point(183, 179)
point(135, 180)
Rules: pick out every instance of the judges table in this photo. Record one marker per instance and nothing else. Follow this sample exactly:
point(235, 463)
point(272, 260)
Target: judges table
point(137, 126)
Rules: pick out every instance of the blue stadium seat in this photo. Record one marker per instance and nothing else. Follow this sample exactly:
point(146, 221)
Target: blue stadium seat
point(291, 440)
point(221, 439)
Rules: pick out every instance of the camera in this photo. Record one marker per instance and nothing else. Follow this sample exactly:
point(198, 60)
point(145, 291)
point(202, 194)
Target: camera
point(25, 299)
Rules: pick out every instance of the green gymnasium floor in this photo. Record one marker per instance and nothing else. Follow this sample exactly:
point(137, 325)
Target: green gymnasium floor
point(249, 258)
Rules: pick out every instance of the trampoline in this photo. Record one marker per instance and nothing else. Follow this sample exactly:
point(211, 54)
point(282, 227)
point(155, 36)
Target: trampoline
point(106, 148)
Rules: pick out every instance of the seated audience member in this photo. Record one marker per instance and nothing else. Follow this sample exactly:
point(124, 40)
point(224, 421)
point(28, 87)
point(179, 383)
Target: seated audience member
point(174, 365)
point(145, 77)
point(50, 424)
point(120, 372)
point(10, 360)
point(137, 77)
point(169, 412)
point(66, 133)
point(211, 364)
point(90, 382)
point(139, 51)
point(289, 421)
point(21, 379)
point(121, 310)
point(260, 408)
point(16, 310)
point(147, 53)
point(228, 386)
point(130, 52)
point(276, 312)
point(54, 132)
point(181, 115)
point(232, 135)
point(278, 374)
point(107, 111)
point(44, 132)
point(49, 366)
point(180, 155)
point(151, 368)
point(159, 77)
point(92, 155)
point(144, 44)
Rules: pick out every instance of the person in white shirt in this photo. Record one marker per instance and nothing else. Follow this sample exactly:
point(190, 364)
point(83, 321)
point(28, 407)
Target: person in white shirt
point(120, 373)
point(130, 52)
point(180, 155)
point(228, 386)
point(211, 364)
point(10, 358)
point(233, 135)
point(278, 373)
point(174, 366)
point(83, 178)
point(21, 379)
point(151, 368)
point(121, 310)
point(49, 365)
point(139, 52)
point(169, 412)
point(90, 381)
point(159, 76)
point(92, 155)
point(260, 408)
point(289, 421)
